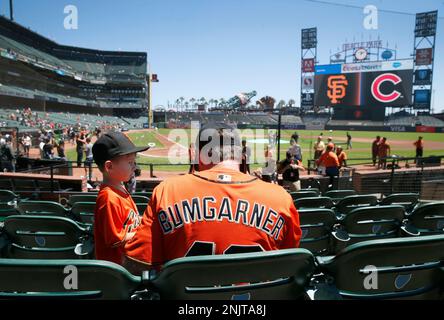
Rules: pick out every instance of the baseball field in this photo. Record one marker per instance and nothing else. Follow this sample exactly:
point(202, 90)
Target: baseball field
point(170, 153)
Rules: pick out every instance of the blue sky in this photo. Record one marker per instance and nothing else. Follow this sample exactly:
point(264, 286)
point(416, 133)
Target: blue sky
point(215, 49)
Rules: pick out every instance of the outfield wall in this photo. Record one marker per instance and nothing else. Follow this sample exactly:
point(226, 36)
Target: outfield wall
point(424, 129)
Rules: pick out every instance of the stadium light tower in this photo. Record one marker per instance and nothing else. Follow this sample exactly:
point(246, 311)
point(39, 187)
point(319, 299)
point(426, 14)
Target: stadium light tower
point(151, 78)
point(11, 10)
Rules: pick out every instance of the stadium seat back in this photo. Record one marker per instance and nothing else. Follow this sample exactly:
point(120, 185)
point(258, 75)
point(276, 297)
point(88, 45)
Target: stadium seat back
point(81, 198)
point(402, 268)
point(141, 207)
point(374, 222)
point(265, 275)
point(349, 203)
point(140, 199)
point(337, 195)
point(408, 200)
point(55, 278)
point(315, 202)
point(40, 237)
point(303, 194)
point(311, 190)
point(44, 208)
point(83, 212)
point(316, 225)
point(143, 194)
point(428, 218)
point(8, 196)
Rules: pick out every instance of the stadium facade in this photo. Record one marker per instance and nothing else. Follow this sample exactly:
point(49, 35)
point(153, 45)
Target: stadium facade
point(39, 73)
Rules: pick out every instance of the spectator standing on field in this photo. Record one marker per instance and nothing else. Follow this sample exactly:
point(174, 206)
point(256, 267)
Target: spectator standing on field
point(349, 141)
point(375, 149)
point(419, 145)
point(383, 153)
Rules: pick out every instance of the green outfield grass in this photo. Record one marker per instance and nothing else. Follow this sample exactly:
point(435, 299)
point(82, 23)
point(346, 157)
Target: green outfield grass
point(307, 139)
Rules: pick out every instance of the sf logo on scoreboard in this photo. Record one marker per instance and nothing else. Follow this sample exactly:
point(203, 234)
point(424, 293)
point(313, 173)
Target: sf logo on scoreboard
point(337, 88)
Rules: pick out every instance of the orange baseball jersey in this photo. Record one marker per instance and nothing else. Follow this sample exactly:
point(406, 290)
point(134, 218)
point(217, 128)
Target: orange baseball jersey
point(383, 149)
point(115, 220)
point(341, 158)
point(419, 144)
point(218, 211)
point(329, 159)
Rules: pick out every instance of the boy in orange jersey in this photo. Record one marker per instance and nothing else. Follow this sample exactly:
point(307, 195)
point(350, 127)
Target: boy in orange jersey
point(116, 217)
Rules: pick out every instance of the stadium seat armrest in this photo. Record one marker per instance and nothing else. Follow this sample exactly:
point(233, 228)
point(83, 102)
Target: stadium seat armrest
point(340, 235)
point(323, 260)
point(85, 249)
point(410, 231)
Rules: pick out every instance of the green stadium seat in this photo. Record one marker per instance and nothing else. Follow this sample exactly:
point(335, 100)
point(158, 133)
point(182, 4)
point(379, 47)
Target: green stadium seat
point(45, 237)
point(316, 225)
point(8, 196)
point(311, 189)
point(408, 200)
point(45, 208)
point(303, 194)
point(81, 198)
point(143, 194)
point(140, 199)
point(7, 210)
point(337, 195)
point(406, 268)
point(276, 275)
point(427, 219)
point(141, 207)
point(369, 223)
point(347, 204)
point(46, 279)
point(315, 202)
point(83, 212)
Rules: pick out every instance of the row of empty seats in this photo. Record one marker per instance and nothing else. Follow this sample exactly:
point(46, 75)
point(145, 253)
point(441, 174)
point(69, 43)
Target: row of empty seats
point(408, 268)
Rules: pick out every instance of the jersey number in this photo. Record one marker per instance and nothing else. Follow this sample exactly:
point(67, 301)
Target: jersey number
point(200, 248)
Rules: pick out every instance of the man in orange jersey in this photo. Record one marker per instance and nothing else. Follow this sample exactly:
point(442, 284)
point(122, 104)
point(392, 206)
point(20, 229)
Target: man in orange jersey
point(115, 217)
point(342, 156)
point(218, 210)
point(419, 145)
point(383, 152)
point(330, 161)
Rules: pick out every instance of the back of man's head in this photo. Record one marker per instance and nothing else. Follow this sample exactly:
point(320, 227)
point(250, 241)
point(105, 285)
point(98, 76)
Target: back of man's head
point(218, 142)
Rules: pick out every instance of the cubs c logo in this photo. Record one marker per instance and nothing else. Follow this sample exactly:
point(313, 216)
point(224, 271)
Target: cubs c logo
point(376, 88)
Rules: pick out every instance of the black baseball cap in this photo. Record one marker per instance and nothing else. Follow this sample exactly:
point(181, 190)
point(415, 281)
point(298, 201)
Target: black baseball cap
point(113, 144)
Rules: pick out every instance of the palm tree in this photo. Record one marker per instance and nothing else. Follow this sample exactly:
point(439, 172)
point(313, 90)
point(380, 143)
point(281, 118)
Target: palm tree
point(182, 99)
point(177, 104)
point(193, 102)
